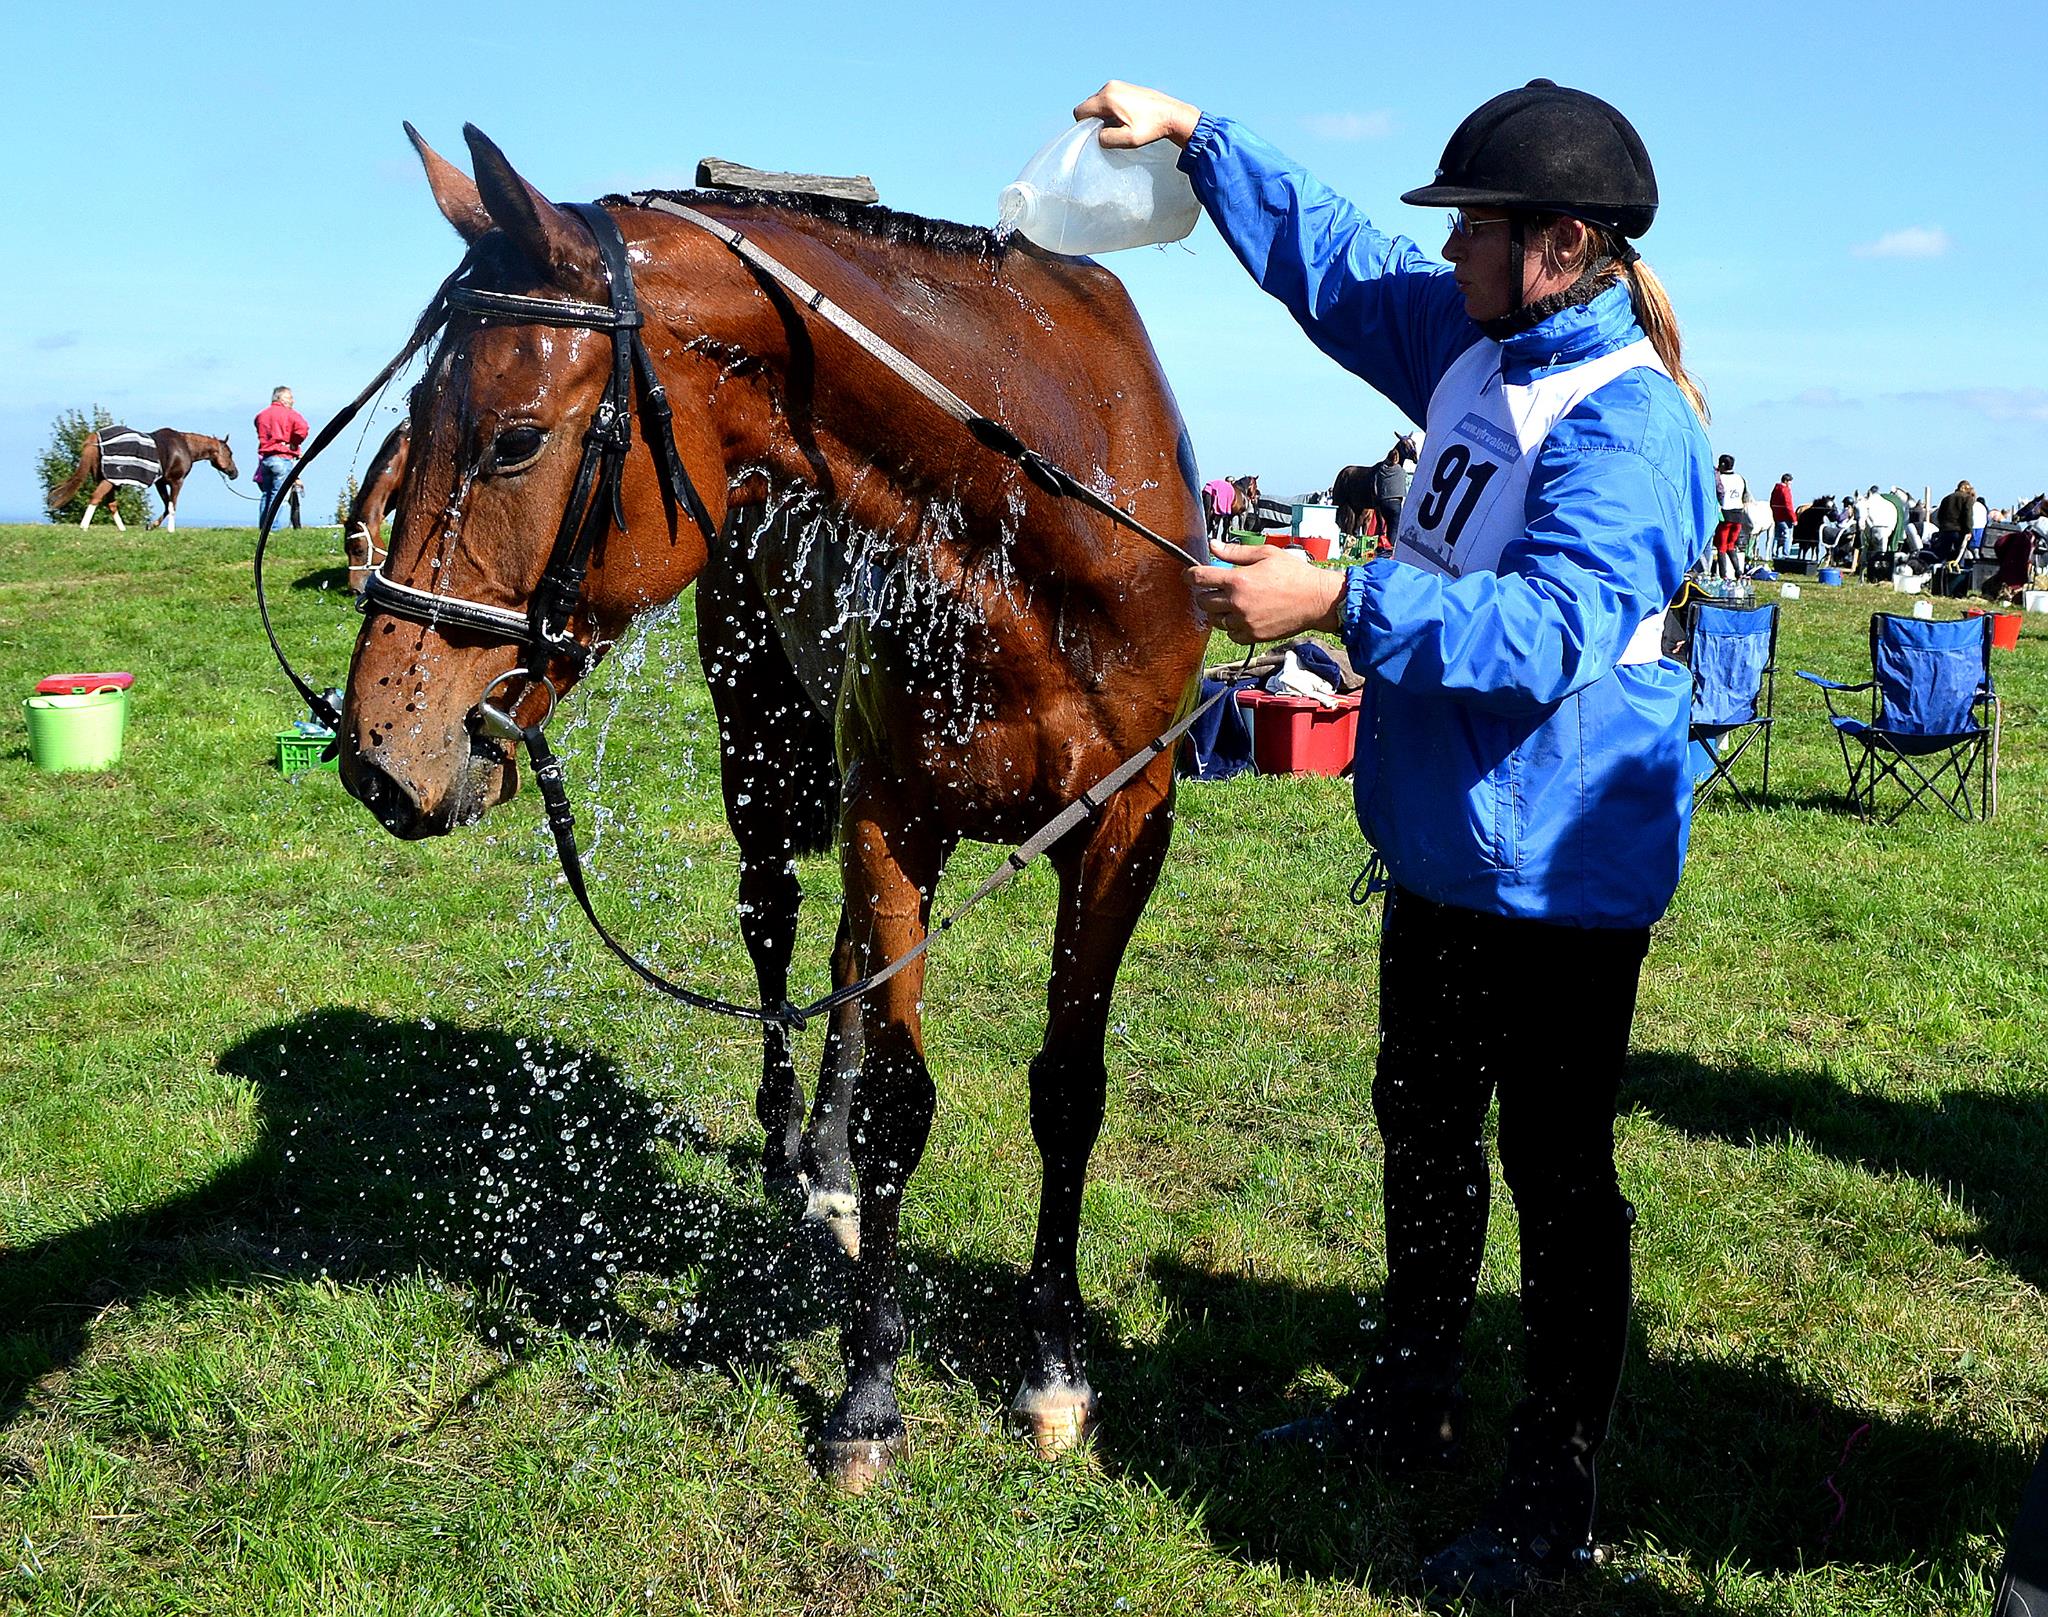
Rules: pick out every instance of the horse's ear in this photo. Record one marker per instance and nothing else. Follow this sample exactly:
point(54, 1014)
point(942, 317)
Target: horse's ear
point(549, 239)
point(455, 192)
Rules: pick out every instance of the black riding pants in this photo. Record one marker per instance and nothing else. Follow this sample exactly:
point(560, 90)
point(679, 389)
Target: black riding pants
point(1473, 1006)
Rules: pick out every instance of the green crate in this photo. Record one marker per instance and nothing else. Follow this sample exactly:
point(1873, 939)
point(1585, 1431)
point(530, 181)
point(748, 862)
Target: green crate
point(298, 753)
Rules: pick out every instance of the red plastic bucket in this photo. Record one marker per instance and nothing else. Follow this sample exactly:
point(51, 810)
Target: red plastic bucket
point(1295, 735)
point(2005, 626)
point(82, 684)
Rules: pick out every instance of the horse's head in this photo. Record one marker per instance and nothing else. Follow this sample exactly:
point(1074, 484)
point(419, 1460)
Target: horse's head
point(495, 456)
point(224, 458)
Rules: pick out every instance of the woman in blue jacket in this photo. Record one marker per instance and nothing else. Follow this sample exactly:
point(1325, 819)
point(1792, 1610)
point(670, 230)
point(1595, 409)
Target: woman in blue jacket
point(1521, 748)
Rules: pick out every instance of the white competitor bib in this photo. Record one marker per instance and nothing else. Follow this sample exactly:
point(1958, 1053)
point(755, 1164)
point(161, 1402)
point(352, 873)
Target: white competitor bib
point(1469, 497)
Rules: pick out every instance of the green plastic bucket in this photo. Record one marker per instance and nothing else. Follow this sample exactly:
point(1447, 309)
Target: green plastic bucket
point(77, 732)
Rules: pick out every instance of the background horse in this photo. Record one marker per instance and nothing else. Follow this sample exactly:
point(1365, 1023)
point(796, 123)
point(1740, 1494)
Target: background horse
point(176, 454)
point(363, 532)
point(906, 641)
point(1229, 502)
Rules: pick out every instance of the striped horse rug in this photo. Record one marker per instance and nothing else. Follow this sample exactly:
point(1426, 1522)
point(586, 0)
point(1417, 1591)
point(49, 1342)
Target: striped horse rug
point(129, 457)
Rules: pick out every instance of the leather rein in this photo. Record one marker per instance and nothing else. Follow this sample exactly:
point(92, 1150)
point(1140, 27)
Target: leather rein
point(594, 506)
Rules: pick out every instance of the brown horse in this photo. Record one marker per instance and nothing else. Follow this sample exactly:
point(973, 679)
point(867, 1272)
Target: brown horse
point(176, 452)
point(906, 641)
point(363, 537)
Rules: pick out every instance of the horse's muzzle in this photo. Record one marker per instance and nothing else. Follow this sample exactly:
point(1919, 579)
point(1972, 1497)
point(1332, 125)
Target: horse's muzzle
point(487, 777)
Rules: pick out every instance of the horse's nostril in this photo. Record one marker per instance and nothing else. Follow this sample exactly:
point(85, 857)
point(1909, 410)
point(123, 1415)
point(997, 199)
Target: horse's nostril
point(396, 809)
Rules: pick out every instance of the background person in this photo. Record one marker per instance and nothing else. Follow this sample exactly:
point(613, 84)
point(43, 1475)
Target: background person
point(1521, 761)
point(1390, 484)
point(1731, 491)
point(281, 434)
point(1784, 516)
point(1953, 519)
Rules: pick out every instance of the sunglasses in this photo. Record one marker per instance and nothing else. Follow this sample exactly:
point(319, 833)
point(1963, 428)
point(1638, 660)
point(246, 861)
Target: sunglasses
point(1463, 227)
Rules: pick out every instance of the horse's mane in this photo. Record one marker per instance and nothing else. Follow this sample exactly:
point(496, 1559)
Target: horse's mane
point(869, 219)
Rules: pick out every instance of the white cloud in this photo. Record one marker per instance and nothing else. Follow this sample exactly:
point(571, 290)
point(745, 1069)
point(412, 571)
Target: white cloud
point(2025, 404)
point(1375, 125)
point(1825, 398)
point(1914, 241)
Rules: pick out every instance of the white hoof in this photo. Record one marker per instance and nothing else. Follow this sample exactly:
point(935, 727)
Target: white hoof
point(839, 1212)
point(1058, 1420)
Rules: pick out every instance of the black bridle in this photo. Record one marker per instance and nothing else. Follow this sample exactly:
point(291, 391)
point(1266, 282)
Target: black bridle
point(594, 505)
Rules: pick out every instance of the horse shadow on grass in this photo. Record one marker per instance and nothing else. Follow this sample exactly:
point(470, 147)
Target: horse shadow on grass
point(531, 1175)
point(559, 1198)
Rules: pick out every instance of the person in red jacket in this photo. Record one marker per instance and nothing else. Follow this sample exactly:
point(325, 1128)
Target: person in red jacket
point(1784, 514)
point(281, 432)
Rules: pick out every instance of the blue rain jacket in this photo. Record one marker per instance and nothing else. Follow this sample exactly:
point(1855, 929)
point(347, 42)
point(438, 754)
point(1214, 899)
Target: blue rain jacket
point(1505, 762)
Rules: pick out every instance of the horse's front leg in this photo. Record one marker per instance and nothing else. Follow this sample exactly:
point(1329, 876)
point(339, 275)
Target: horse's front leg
point(1103, 889)
point(769, 901)
point(891, 855)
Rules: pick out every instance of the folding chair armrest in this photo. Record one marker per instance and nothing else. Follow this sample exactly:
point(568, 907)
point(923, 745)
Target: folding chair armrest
point(1831, 685)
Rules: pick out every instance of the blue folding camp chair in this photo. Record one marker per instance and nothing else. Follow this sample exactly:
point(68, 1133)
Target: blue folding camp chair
point(1933, 716)
point(1734, 654)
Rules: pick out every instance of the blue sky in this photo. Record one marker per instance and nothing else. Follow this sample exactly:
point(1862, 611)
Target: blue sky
point(1854, 233)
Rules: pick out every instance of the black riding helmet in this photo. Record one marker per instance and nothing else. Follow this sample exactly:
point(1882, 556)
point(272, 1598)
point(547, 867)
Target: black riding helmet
point(1547, 149)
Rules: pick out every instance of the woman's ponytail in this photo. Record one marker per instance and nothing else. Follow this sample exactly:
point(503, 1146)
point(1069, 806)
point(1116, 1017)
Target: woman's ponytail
point(1613, 259)
point(1653, 313)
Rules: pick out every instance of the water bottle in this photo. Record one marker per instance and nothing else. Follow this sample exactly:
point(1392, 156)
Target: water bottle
point(1078, 196)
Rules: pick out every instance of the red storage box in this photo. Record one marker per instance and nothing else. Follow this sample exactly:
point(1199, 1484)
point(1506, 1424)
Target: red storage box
point(1316, 548)
point(82, 684)
point(1294, 735)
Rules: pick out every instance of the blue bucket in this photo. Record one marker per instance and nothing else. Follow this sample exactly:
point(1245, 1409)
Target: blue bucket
point(1831, 577)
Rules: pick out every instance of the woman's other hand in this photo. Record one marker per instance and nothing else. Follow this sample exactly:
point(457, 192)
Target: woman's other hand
point(1267, 593)
point(1135, 116)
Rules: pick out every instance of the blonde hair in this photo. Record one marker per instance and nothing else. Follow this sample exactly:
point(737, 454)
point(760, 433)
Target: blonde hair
point(1650, 304)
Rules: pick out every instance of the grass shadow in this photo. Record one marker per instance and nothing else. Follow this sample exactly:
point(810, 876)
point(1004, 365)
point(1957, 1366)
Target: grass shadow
point(1746, 1465)
point(325, 578)
point(1985, 1147)
point(561, 1197)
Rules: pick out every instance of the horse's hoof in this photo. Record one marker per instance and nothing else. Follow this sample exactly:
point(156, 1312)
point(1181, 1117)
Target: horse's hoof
point(785, 1193)
point(854, 1465)
point(838, 1213)
point(1058, 1420)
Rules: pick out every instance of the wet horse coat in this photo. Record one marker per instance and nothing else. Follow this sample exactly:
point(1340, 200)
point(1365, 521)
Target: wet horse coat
point(907, 642)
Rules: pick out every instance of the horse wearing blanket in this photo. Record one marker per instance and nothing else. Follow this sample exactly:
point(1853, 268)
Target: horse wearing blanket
point(120, 457)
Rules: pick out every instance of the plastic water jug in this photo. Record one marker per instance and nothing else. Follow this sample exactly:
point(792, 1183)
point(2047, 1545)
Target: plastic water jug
point(1078, 196)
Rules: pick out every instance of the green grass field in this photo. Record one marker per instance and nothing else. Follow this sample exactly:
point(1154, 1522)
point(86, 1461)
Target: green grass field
point(368, 1243)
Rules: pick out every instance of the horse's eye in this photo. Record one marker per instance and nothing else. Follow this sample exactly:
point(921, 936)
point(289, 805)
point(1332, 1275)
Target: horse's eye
point(515, 447)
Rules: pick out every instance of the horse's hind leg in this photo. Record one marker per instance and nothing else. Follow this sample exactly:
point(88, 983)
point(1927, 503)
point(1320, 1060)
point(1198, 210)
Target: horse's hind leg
point(891, 854)
point(1103, 889)
point(775, 765)
point(828, 1162)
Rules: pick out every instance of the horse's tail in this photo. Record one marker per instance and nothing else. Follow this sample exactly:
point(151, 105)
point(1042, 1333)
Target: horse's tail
point(88, 470)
